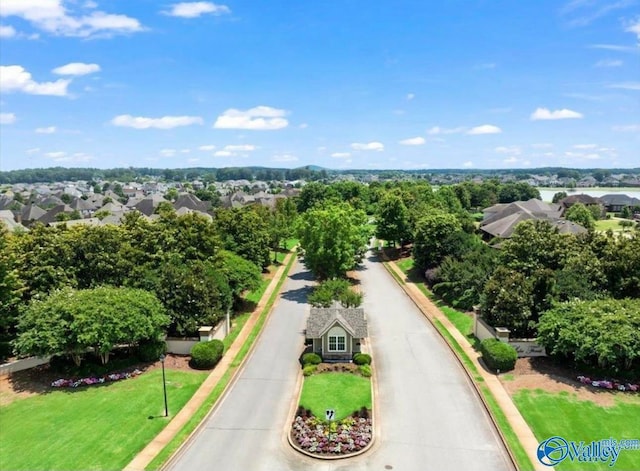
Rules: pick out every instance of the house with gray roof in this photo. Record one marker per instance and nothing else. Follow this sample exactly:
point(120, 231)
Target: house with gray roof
point(615, 202)
point(336, 332)
point(500, 220)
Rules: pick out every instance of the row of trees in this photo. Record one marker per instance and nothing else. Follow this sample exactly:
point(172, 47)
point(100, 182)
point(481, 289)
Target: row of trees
point(196, 269)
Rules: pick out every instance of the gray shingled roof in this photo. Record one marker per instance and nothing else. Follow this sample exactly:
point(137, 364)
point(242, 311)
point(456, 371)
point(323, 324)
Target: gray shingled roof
point(321, 319)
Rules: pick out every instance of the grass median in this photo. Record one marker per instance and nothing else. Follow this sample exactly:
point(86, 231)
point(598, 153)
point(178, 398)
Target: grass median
point(344, 393)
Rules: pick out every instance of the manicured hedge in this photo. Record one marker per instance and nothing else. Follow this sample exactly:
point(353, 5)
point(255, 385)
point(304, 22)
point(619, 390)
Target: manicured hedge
point(498, 355)
point(362, 359)
point(206, 355)
point(311, 359)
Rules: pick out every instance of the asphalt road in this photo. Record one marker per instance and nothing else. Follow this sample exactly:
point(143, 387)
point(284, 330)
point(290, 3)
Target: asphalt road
point(429, 416)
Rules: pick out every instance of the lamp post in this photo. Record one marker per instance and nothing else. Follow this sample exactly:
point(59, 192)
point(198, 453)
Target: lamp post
point(164, 387)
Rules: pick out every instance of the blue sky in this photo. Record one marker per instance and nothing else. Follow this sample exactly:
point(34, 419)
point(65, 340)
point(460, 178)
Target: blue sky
point(340, 84)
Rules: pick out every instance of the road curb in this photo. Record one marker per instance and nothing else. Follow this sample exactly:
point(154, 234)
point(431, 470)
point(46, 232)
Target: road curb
point(476, 388)
point(151, 450)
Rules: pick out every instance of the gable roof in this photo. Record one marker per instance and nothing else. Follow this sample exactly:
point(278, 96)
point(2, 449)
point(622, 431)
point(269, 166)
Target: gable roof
point(619, 199)
point(322, 319)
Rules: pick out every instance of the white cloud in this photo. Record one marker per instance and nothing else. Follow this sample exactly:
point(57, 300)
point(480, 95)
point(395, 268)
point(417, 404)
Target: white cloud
point(14, 78)
point(410, 96)
point(627, 128)
point(514, 150)
point(510, 160)
point(484, 129)
point(51, 16)
point(47, 130)
point(76, 68)
point(341, 155)
point(7, 118)
point(168, 152)
point(615, 47)
point(585, 146)
point(196, 9)
point(467, 164)
point(542, 114)
point(608, 63)
point(7, 31)
point(260, 118)
point(222, 153)
point(303, 126)
point(240, 147)
point(634, 27)
point(438, 130)
point(55, 155)
point(413, 141)
point(626, 85)
point(166, 122)
point(377, 146)
point(193, 160)
point(284, 158)
point(33, 150)
point(207, 147)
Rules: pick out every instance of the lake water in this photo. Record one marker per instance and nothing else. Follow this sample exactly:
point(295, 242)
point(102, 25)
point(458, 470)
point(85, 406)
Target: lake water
point(547, 193)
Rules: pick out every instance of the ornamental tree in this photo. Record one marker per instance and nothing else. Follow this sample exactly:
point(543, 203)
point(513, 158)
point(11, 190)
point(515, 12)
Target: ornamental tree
point(334, 239)
point(74, 321)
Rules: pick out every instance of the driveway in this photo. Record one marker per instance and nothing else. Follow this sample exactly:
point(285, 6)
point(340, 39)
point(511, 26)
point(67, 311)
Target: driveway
point(429, 416)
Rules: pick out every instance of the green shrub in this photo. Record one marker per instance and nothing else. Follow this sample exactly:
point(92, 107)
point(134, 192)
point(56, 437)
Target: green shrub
point(329, 291)
point(308, 370)
point(365, 370)
point(150, 350)
point(362, 359)
point(350, 298)
point(311, 359)
point(206, 355)
point(498, 355)
point(6, 351)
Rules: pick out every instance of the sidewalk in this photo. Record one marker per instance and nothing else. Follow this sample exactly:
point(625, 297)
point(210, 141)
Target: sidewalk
point(517, 422)
point(142, 459)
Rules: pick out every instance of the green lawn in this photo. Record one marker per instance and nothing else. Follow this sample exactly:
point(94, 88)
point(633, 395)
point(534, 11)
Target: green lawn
point(606, 224)
point(561, 414)
point(98, 427)
point(406, 265)
point(343, 392)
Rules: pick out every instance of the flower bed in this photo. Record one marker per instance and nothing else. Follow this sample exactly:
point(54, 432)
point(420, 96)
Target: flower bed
point(71, 383)
point(605, 384)
point(322, 438)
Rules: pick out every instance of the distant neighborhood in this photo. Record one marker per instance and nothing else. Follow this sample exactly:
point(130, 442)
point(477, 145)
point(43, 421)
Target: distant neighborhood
point(100, 201)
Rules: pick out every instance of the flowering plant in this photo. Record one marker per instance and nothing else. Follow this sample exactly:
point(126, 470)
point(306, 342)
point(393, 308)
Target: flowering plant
point(334, 438)
point(70, 383)
point(605, 384)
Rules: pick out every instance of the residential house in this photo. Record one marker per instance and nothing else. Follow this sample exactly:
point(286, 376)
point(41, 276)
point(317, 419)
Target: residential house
point(615, 202)
point(500, 220)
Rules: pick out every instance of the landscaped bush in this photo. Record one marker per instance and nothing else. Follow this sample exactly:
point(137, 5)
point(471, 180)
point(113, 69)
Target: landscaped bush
point(151, 350)
point(311, 359)
point(205, 355)
point(362, 359)
point(498, 355)
point(308, 370)
point(365, 370)
point(329, 291)
point(5, 350)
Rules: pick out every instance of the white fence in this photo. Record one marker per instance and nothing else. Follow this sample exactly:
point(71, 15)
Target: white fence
point(181, 346)
point(524, 347)
point(23, 364)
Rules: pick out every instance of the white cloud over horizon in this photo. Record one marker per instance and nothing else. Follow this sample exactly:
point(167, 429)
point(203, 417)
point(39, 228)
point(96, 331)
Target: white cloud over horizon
point(413, 141)
point(46, 130)
point(341, 155)
point(52, 17)
point(7, 31)
point(196, 9)
point(259, 118)
point(76, 68)
point(7, 118)
point(435, 130)
point(15, 78)
point(484, 129)
point(166, 122)
point(375, 146)
point(545, 114)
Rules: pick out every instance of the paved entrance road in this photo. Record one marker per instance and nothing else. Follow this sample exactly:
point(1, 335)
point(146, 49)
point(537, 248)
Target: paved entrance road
point(429, 415)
